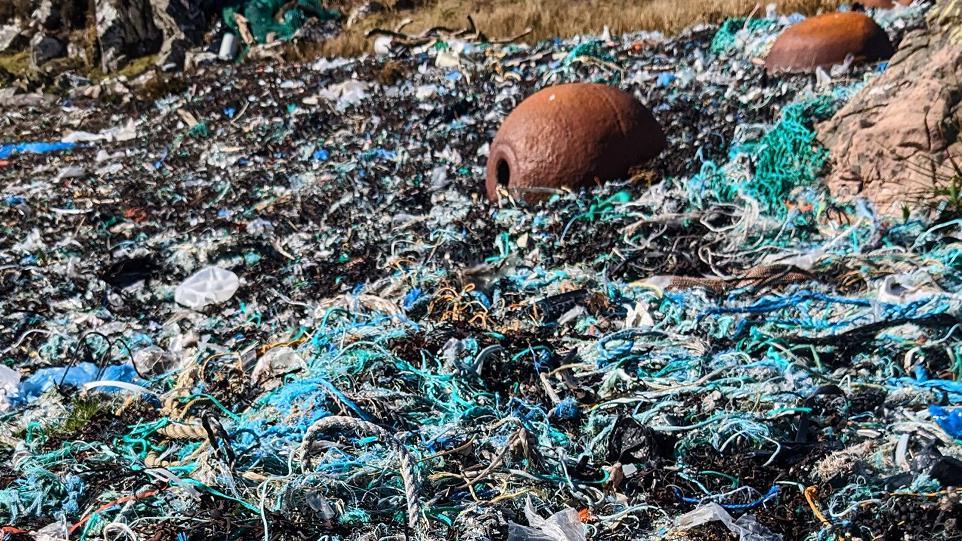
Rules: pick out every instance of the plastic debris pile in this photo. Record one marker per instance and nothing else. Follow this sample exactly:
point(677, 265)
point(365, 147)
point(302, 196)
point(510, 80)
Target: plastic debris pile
point(276, 304)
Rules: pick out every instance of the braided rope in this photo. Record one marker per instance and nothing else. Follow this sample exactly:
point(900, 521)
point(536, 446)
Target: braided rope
point(766, 275)
point(183, 432)
point(405, 460)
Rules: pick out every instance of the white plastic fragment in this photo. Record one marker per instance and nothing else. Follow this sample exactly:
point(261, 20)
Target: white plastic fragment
point(382, 45)
point(906, 288)
point(55, 531)
point(123, 133)
point(71, 171)
point(839, 70)
point(154, 361)
point(9, 385)
point(439, 177)
point(131, 387)
point(276, 362)
point(211, 285)
point(325, 65)
point(565, 525)
point(345, 94)
point(228, 47)
point(638, 316)
point(747, 528)
point(424, 92)
point(822, 78)
point(572, 315)
point(448, 59)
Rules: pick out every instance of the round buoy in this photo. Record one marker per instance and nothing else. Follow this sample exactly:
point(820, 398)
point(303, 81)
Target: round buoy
point(570, 136)
point(825, 40)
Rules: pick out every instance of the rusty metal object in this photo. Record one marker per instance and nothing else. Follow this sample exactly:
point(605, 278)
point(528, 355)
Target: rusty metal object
point(568, 136)
point(826, 40)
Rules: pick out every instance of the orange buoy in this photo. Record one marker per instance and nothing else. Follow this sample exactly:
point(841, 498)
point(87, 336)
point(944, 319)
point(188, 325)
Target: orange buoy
point(825, 40)
point(568, 136)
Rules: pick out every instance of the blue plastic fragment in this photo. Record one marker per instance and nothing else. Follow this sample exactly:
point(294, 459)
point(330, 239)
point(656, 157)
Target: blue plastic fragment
point(567, 409)
point(948, 419)
point(666, 78)
point(410, 298)
point(81, 373)
point(34, 148)
point(321, 155)
point(952, 389)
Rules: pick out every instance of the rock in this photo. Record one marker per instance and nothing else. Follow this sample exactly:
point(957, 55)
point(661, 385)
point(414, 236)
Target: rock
point(125, 30)
point(883, 4)
point(45, 48)
point(892, 142)
point(47, 15)
point(6, 78)
point(13, 37)
point(182, 23)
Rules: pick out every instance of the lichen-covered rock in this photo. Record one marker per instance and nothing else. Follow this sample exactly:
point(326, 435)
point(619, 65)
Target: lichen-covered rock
point(12, 37)
point(125, 30)
point(892, 143)
point(182, 23)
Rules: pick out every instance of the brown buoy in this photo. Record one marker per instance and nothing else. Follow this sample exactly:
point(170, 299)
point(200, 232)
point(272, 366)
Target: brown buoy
point(568, 136)
point(825, 40)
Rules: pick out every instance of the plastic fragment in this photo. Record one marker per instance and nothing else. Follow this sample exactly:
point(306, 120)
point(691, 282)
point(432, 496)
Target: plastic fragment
point(346, 94)
point(949, 419)
point(9, 386)
point(211, 285)
point(9, 150)
point(565, 525)
point(70, 376)
point(747, 528)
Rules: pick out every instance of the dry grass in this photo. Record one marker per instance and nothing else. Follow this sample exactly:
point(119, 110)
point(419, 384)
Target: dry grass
point(557, 18)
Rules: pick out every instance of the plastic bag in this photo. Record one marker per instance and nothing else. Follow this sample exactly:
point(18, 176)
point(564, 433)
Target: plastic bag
point(211, 285)
point(747, 528)
point(78, 375)
point(565, 525)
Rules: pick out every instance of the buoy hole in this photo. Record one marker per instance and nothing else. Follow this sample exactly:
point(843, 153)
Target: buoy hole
point(503, 172)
